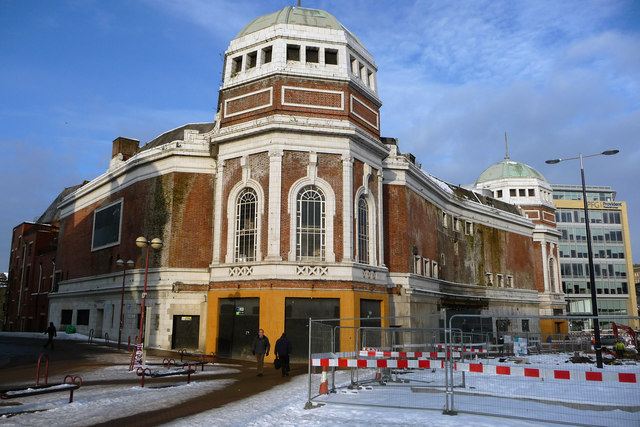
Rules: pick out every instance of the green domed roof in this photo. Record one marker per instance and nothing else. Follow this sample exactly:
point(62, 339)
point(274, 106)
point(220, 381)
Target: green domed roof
point(509, 169)
point(295, 16)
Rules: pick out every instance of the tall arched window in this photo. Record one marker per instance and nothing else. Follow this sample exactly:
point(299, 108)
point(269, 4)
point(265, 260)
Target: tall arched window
point(363, 230)
point(310, 224)
point(246, 226)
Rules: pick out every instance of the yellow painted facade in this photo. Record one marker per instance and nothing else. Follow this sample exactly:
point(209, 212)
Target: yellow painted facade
point(272, 310)
point(624, 222)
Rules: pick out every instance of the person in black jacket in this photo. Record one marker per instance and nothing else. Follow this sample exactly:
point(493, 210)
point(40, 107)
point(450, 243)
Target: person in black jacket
point(283, 350)
point(261, 346)
point(51, 330)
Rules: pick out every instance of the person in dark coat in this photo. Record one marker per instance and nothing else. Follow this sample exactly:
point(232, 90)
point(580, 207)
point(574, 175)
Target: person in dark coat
point(260, 348)
point(283, 350)
point(51, 330)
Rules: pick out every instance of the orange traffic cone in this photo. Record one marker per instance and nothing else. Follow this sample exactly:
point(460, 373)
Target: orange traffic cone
point(324, 385)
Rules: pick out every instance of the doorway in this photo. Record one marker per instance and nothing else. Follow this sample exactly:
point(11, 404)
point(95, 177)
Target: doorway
point(186, 331)
point(238, 323)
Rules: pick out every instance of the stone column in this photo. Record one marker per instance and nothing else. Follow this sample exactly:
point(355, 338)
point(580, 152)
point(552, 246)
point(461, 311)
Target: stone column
point(275, 202)
point(380, 222)
point(347, 207)
point(217, 212)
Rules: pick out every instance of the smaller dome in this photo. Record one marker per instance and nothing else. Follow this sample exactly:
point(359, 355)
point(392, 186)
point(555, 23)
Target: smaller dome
point(509, 169)
point(296, 16)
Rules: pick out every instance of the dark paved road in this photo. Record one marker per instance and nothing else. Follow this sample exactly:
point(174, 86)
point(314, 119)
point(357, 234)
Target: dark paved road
point(18, 358)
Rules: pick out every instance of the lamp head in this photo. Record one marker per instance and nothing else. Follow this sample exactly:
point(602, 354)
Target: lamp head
point(141, 242)
point(156, 243)
point(553, 161)
point(610, 152)
point(119, 263)
point(130, 263)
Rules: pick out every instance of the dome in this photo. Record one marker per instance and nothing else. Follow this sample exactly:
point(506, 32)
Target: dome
point(296, 16)
point(508, 169)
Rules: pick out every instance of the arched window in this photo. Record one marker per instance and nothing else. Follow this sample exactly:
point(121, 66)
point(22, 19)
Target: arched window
point(246, 226)
point(310, 224)
point(363, 230)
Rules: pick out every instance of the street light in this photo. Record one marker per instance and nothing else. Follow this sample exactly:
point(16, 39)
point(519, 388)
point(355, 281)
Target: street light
point(594, 299)
point(142, 242)
point(129, 264)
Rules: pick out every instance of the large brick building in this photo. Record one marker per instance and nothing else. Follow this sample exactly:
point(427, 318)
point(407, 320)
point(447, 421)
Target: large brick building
point(291, 206)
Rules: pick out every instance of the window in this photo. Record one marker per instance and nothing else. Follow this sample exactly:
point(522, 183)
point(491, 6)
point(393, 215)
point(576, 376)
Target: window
point(512, 192)
point(525, 325)
point(468, 228)
point(522, 192)
point(266, 55)
point(106, 226)
point(532, 192)
point(456, 225)
point(236, 65)
point(363, 230)
point(426, 269)
point(312, 54)
point(65, 317)
point(310, 222)
point(499, 194)
point(331, 57)
point(488, 279)
point(445, 220)
point(417, 264)
point(246, 226)
point(252, 59)
point(293, 52)
point(83, 317)
point(354, 66)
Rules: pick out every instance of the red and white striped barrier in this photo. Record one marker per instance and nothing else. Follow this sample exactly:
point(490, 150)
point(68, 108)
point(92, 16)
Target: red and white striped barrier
point(380, 363)
point(515, 371)
point(557, 374)
point(408, 354)
point(462, 349)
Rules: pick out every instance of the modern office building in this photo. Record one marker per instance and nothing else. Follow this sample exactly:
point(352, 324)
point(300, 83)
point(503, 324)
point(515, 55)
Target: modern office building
point(613, 264)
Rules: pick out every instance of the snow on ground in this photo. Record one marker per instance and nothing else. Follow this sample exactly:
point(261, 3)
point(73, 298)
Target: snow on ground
point(570, 402)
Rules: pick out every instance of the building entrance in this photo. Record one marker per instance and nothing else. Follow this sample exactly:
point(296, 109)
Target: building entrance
point(186, 331)
point(238, 323)
point(296, 322)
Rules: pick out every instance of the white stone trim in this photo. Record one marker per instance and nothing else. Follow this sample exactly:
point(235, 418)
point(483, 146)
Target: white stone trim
point(330, 212)
point(291, 104)
point(376, 125)
point(226, 102)
point(217, 212)
point(231, 216)
point(347, 202)
point(275, 195)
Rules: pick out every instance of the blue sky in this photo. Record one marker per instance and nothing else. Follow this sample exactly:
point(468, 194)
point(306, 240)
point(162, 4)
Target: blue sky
point(560, 77)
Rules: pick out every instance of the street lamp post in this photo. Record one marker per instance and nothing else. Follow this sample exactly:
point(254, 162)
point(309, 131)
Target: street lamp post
point(592, 281)
point(142, 242)
point(129, 264)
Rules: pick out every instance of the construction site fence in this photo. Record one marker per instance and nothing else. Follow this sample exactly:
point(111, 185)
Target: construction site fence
point(501, 370)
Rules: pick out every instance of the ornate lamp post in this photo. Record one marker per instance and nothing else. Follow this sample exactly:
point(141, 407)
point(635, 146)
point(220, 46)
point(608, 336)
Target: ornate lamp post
point(128, 264)
point(142, 242)
point(592, 281)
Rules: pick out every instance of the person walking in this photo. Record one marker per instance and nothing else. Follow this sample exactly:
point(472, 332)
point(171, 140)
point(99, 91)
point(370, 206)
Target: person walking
point(51, 330)
point(260, 348)
point(282, 351)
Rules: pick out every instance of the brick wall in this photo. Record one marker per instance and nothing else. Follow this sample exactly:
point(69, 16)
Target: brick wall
point(315, 98)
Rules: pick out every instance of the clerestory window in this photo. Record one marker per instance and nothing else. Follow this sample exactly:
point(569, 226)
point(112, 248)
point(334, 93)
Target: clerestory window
point(310, 224)
point(246, 226)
